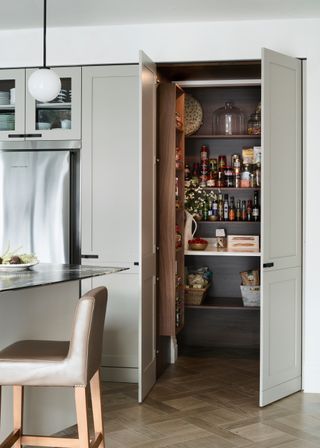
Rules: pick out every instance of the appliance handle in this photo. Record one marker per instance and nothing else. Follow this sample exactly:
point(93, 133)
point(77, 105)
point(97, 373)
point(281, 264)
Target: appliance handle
point(16, 135)
point(89, 256)
point(33, 135)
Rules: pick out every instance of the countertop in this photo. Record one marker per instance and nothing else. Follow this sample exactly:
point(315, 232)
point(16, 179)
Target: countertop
point(48, 274)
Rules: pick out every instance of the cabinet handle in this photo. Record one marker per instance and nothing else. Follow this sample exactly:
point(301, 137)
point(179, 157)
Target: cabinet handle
point(268, 265)
point(89, 256)
point(33, 135)
point(16, 135)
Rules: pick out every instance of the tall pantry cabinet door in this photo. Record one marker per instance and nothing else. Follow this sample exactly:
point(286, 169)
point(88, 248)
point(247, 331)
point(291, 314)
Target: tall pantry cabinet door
point(280, 369)
point(147, 321)
point(110, 164)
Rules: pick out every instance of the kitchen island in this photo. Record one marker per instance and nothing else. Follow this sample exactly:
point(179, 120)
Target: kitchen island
point(39, 303)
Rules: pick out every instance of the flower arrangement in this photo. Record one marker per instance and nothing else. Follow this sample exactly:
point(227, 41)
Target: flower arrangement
point(196, 198)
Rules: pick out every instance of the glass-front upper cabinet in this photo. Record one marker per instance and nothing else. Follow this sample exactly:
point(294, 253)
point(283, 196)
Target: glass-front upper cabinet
point(59, 119)
point(12, 104)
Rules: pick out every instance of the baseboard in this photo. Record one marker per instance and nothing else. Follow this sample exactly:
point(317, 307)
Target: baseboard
point(119, 374)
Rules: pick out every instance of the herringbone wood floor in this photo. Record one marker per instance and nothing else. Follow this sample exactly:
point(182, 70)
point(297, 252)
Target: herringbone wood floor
point(209, 401)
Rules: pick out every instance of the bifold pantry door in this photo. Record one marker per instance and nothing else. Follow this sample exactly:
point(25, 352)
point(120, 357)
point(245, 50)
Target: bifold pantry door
point(147, 309)
point(280, 358)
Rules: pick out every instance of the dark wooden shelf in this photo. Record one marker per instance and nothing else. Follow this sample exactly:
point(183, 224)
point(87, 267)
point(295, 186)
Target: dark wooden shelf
point(231, 188)
point(229, 222)
point(224, 303)
point(244, 136)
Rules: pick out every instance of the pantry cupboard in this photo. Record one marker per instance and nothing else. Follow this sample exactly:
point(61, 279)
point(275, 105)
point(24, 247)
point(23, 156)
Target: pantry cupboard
point(221, 320)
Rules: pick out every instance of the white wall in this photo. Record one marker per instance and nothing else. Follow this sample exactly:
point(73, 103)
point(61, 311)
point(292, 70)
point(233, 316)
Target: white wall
point(206, 41)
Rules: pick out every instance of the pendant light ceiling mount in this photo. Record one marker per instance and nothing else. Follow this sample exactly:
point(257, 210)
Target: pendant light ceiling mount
point(44, 84)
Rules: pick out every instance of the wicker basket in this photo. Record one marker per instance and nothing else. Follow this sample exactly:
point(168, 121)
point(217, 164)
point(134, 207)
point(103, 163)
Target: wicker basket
point(195, 296)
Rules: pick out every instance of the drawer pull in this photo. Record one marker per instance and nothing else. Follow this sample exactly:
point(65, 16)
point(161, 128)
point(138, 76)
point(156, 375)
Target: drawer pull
point(89, 256)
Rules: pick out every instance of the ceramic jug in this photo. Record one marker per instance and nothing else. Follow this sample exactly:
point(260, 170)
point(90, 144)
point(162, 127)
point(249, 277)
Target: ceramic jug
point(188, 233)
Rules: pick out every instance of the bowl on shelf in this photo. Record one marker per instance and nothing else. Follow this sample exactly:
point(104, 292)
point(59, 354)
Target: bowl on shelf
point(198, 244)
point(43, 125)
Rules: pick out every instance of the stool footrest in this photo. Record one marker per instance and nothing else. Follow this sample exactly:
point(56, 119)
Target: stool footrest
point(63, 442)
point(11, 439)
point(96, 443)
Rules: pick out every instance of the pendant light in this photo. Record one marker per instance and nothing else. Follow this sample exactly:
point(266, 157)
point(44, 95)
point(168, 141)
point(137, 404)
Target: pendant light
point(44, 84)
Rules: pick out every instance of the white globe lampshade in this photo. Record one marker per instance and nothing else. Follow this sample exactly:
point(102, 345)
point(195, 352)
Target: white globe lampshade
point(44, 84)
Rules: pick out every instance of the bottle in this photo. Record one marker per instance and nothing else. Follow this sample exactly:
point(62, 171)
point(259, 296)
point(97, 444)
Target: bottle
point(195, 174)
point(244, 211)
point(226, 208)
point(215, 207)
point(205, 212)
point(220, 207)
point(204, 153)
point(211, 181)
point(256, 207)
point(187, 176)
point(258, 174)
point(249, 210)
point(238, 211)
point(232, 210)
point(245, 177)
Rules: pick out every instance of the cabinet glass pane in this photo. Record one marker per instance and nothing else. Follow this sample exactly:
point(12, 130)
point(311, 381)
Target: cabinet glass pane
point(7, 105)
point(57, 113)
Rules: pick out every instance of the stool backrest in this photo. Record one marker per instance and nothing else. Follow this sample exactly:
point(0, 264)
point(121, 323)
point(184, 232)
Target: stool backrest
point(86, 342)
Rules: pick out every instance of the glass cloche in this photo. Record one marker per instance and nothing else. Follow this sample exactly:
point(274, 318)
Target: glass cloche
point(228, 120)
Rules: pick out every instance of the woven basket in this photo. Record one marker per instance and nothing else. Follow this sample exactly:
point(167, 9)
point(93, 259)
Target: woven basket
point(194, 296)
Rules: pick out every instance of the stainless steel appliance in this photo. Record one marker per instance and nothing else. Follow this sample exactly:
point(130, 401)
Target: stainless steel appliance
point(39, 200)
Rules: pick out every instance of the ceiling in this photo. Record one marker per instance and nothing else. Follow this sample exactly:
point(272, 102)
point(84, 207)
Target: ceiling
point(17, 14)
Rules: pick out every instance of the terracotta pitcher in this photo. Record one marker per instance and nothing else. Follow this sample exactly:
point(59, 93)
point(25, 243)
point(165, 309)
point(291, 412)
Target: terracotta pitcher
point(188, 233)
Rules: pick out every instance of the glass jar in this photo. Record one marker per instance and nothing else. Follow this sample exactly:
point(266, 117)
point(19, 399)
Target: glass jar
point(254, 124)
point(245, 177)
point(228, 120)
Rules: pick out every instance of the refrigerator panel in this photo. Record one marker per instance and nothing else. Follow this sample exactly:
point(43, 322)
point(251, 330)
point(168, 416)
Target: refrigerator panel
point(35, 204)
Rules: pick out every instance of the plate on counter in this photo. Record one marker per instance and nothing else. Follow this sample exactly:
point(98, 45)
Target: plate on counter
point(16, 267)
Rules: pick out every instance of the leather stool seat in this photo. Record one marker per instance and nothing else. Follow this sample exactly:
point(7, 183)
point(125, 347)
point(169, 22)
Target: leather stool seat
point(60, 363)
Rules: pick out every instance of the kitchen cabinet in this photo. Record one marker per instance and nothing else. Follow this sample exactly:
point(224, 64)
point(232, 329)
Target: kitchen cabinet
point(118, 211)
point(222, 320)
point(22, 117)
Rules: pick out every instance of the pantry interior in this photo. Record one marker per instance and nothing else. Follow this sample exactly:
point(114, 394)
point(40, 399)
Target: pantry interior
point(219, 320)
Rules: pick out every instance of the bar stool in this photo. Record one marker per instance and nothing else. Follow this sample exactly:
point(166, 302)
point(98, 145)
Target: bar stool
point(59, 363)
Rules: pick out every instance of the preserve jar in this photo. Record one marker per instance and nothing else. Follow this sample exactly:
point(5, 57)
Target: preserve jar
point(254, 124)
point(228, 120)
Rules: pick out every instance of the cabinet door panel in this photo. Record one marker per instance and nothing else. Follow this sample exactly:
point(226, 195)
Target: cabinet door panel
point(281, 140)
point(147, 306)
point(280, 371)
point(120, 339)
point(59, 119)
point(110, 163)
point(12, 104)
point(281, 333)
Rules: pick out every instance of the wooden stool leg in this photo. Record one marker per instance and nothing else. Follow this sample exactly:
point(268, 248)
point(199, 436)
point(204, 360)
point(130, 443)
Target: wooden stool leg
point(95, 386)
point(82, 416)
point(18, 412)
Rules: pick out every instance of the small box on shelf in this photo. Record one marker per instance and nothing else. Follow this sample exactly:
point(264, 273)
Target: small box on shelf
point(247, 243)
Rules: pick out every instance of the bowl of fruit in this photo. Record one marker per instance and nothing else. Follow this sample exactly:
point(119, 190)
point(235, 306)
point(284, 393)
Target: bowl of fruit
point(198, 244)
point(13, 260)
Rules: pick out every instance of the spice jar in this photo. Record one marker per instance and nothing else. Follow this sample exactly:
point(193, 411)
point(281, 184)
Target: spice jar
point(245, 177)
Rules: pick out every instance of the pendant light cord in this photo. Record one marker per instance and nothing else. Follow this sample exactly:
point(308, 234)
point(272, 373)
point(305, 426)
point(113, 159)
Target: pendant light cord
point(44, 33)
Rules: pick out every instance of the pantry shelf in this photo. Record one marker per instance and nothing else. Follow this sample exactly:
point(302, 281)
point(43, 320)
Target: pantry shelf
point(222, 252)
point(224, 303)
point(210, 136)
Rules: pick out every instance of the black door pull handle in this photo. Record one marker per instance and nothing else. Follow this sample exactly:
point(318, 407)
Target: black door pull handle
point(89, 256)
point(268, 265)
